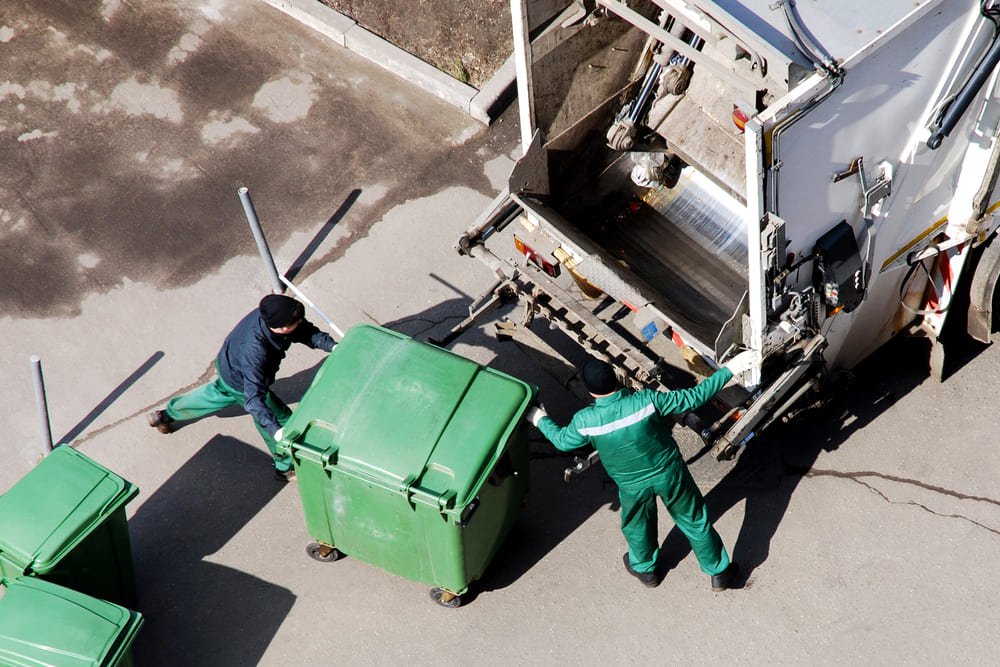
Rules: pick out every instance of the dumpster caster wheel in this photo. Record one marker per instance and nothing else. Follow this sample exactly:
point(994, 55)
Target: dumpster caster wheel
point(322, 552)
point(445, 598)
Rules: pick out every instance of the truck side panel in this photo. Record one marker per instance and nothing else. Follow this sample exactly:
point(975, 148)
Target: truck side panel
point(879, 113)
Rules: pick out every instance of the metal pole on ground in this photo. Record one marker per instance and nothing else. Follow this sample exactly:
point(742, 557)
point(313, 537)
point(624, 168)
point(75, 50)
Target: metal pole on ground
point(258, 235)
point(43, 407)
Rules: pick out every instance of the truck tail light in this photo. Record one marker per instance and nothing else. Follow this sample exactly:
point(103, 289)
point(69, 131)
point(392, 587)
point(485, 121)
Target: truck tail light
point(535, 258)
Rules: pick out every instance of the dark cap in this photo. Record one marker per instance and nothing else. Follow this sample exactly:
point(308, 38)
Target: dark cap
point(599, 378)
point(279, 310)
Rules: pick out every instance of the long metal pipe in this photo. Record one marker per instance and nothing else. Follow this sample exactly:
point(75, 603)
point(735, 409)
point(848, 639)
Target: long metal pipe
point(43, 406)
point(258, 235)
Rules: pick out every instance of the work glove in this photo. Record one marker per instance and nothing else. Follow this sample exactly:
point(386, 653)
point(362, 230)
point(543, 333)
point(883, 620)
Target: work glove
point(740, 363)
point(534, 415)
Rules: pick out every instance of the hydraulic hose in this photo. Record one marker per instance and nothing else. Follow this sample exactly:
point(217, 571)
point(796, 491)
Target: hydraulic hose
point(810, 48)
point(956, 108)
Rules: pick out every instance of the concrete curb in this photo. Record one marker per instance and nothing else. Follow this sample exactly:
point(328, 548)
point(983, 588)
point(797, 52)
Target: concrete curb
point(485, 105)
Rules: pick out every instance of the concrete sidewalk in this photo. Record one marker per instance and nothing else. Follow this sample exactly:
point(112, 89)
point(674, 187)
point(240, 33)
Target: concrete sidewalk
point(485, 104)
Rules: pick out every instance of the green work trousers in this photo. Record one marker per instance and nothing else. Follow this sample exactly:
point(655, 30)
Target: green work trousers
point(686, 506)
point(214, 396)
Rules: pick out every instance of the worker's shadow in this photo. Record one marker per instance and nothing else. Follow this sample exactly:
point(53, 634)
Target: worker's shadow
point(197, 612)
point(768, 471)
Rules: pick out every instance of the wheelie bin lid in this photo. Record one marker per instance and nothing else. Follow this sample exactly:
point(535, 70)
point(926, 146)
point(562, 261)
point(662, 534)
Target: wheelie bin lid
point(56, 506)
point(42, 623)
point(408, 416)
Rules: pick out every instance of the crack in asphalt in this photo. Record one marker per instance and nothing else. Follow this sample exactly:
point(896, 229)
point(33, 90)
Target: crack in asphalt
point(856, 477)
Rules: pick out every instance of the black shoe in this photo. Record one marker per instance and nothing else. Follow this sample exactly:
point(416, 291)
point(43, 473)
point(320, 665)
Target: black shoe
point(162, 422)
point(284, 475)
point(726, 578)
point(648, 579)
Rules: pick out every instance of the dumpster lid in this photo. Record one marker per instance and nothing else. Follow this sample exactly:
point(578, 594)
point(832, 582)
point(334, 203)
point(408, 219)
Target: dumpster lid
point(408, 416)
point(42, 623)
point(56, 505)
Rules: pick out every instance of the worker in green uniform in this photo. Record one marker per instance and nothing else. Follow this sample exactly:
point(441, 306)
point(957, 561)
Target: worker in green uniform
point(641, 456)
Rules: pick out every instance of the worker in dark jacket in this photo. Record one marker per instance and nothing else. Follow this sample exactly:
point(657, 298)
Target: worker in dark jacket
point(641, 456)
point(247, 365)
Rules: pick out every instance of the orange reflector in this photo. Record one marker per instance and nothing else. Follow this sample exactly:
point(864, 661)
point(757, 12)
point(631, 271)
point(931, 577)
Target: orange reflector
point(740, 119)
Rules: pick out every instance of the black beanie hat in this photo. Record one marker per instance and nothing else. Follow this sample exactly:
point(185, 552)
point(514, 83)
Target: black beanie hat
point(599, 378)
point(279, 310)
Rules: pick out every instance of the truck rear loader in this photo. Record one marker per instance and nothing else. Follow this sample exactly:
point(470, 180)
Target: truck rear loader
point(804, 180)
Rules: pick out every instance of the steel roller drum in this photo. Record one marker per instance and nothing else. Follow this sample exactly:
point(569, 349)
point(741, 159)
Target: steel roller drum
point(706, 213)
point(688, 242)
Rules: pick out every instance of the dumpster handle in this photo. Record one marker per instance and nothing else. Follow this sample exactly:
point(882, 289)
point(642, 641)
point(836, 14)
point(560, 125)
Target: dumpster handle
point(329, 457)
point(406, 487)
point(473, 506)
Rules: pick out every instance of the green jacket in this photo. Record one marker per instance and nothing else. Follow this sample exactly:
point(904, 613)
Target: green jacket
point(626, 427)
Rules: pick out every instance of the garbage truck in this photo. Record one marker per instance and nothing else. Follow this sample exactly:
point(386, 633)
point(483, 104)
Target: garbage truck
point(804, 180)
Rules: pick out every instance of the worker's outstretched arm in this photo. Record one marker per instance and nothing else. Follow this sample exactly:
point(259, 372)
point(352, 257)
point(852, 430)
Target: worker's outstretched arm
point(684, 400)
point(564, 438)
point(309, 334)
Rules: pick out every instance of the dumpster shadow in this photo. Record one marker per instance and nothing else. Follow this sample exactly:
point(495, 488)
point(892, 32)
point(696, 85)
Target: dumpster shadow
point(768, 471)
point(197, 612)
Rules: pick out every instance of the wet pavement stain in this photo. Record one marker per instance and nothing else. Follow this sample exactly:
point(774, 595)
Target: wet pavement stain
point(121, 155)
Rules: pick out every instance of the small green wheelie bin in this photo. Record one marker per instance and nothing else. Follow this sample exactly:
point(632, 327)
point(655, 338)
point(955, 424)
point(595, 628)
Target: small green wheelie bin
point(65, 522)
point(46, 625)
point(411, 458)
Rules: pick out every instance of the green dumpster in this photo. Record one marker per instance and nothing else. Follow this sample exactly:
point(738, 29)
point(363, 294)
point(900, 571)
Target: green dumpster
point(43, 624)
point(411, 458)
point(65, 522)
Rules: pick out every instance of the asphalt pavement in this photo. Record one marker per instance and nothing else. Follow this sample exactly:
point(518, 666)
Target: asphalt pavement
point(866, 528)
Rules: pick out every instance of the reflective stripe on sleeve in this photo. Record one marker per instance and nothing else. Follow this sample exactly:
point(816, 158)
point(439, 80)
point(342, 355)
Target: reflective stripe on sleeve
point(633, 418)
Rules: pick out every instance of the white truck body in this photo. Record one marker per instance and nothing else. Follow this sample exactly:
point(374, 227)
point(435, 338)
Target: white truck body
point(813, 235)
